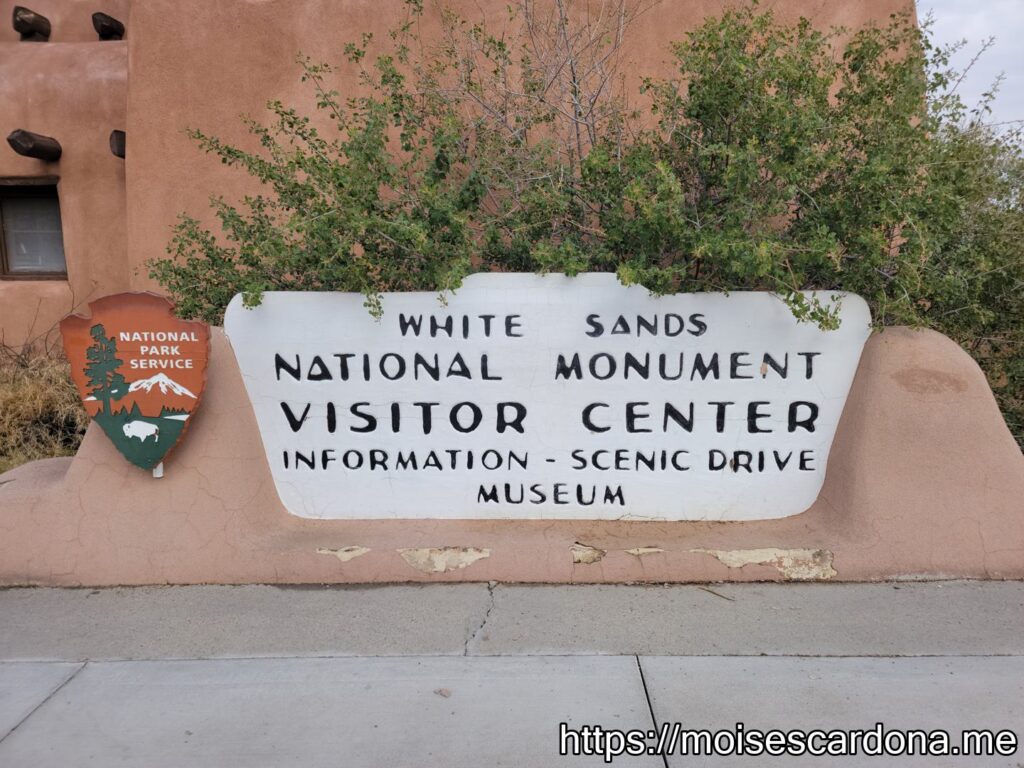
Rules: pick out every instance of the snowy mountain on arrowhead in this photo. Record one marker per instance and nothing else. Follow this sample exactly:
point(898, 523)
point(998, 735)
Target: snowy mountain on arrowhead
point(164, 382)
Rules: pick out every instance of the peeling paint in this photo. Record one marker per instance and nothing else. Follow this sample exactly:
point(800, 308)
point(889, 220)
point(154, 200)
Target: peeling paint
point(793, 564)
point(345, 553)
point(584, 554)
point(442, 559)
point(641, 551)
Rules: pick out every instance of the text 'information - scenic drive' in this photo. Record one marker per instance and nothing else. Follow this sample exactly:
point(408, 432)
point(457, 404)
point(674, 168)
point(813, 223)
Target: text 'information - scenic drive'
point(529, 396)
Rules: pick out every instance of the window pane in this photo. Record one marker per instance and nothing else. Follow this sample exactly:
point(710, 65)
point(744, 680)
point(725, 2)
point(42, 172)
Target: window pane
point(32, 234)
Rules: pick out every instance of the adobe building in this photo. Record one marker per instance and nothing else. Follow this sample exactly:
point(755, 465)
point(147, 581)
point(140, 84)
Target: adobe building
point(923, 481)
point(117, 90)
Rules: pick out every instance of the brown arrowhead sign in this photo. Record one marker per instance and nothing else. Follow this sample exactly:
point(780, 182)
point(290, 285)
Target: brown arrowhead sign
point(140, 371)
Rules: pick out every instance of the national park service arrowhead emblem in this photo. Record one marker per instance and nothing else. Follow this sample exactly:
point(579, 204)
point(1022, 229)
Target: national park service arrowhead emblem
point(139, 370)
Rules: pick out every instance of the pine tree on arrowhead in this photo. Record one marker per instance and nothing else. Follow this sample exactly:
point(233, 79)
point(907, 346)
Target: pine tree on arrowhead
point(103, 369)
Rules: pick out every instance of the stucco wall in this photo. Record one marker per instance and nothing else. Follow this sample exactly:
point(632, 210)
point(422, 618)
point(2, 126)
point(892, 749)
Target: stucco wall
point(76, 93)
point(234, 56)
point(924, 481)
point(201, 64)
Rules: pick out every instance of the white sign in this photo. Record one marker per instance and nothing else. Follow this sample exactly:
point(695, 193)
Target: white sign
point(547, 397)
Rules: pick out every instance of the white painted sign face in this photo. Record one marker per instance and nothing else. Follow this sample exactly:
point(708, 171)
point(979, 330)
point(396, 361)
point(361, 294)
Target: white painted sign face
point(548, 397)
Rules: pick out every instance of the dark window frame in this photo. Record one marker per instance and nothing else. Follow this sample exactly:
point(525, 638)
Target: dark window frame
point(45, 187)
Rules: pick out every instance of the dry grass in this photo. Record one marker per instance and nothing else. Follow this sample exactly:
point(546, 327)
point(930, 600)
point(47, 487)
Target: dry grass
point(41, 415)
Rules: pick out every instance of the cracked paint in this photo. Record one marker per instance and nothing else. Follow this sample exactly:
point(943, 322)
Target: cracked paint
point(344, 553)
point(793, 564)
point(641, 551)
point(584, 554)
point(442, 559)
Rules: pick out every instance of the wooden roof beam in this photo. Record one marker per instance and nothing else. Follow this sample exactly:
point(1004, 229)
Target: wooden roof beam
point(32, 26)
point(107, 27)
point(30, 144)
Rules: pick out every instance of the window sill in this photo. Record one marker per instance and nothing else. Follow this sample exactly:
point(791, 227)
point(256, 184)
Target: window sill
point(47, 276)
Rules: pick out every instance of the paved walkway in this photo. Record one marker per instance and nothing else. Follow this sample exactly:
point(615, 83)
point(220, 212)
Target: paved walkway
point(477, 675)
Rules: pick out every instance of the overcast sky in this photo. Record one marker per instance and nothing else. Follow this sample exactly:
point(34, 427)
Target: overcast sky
point(977, 20)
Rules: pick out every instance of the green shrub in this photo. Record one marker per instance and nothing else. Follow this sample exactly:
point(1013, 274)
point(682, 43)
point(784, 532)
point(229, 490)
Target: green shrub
point(780, 157)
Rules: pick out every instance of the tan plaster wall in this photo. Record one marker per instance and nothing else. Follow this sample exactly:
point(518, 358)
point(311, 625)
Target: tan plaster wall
point(924, 481)
point(76, 93)
point(232, 57)
point(202, 63)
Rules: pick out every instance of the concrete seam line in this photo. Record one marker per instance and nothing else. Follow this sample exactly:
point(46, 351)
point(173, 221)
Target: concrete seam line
point(49, 696)
point(491, 586)
point(650, 704)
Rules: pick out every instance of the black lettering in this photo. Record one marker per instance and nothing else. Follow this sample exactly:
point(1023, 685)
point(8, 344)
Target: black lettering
point(426, 410)
point(662, 368)
point(771, 362)
point(516, 422)
point(676, 329)
point(588, 421)
point(400, 366)
point(295, 423)
point(753, 414)
point(741, 460)
point(318, 370)
point(671, 412)
point(433, 370)
point(564, 370)
point(343, 365)
point(615, 496)
point(643, 370)
point(806, 461)
point(459, 367)
point(735, 365)
point(484, 371)
point(704, 370)
point(807, 423)
point(292, 370)
point(369, 418)
point(378, 459)
point(643, 324)
point(720, 408)
point(809, 358)
point(477, 414)
point(405, 322)
point(633, 416)
point(611, 365)
point(447, 326)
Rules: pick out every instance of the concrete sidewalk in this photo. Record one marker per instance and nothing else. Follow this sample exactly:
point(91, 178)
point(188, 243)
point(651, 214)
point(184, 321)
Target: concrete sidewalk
point(478, 675)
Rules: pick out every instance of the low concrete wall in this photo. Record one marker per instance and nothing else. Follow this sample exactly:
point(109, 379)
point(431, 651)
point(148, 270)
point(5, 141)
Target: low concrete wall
point(924, 481)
